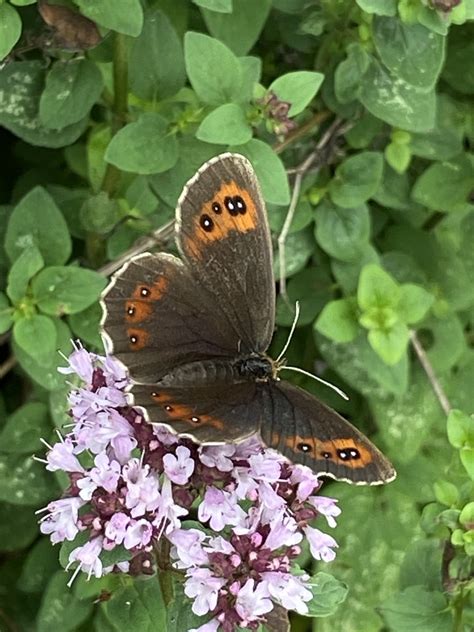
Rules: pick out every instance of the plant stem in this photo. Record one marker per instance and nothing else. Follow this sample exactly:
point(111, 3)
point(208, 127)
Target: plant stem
point(426, 364)
point(112, 175)
point(165, 575)
point(458, 612)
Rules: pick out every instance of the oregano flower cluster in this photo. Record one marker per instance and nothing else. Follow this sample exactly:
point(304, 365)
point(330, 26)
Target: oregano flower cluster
point(235, 515)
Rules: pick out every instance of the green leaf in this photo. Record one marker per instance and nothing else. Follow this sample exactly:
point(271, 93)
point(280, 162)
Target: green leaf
point(71, 89)
point(298, 88)
point(60, 609)
point(21, 85)
point(458, 59)
point(17, 534)
point(347, 273)
point(398, 156)
point(137, 607)
point(298, 249)
point(156, 59)
point(24, 481)
point(100, 214)
point(24, 429)
point(460, 429)
point(397, 102)
point(23, 269)
point(145, 146)
point(379, 7)
point(446, 493)
point(180, 615)
point(350, 72)
point(66, 290)
point(36, 335)
point(338, 320)
point(224, 83)
point(40, 564)
point(10, 29)
point(47, 375)
point(357, 179)
point(222, 6)
point(269, 168)
point(342, 232)
point(328, 594)
point(445, 186)
point(251, 73)
point(98, 141)
point(376, 288)
point(467, 459)
point(421, 565)
point(362, 368)
point(240, 29)
point(425, 414)
point(417, 609)
point(226, 125)
point(85, 325)
point(124, 16)
point(193, 153)
point(410, 51)
point(6, 314)
point(50, 235)
point(414, 303)
point(390, 344)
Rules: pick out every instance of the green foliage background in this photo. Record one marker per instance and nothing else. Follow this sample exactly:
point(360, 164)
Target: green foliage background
point(96, 148)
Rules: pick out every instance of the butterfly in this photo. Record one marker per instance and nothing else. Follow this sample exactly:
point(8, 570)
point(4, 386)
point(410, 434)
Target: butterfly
point(193, 333)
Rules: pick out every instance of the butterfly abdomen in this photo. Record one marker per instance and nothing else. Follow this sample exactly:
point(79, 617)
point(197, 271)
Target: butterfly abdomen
point(203, 373)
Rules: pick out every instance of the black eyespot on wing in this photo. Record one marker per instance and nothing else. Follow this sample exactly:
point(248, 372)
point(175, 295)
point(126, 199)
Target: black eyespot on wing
point(231, 206)
point(217, 208)
point(304, 447)
point(206, 223)
point(240, 204)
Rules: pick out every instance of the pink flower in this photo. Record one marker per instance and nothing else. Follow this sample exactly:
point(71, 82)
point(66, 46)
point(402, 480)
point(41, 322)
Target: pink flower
point(80, 362)
point(61, 457)
point(116, 528)
point(287, 590)
point(204, 588)
point(179, 466)
point(139, 533)
point(62, 520)
point(88, 558)
point(210, 626)
point(252, 601)
point(188, 547)
point(142, 488)
point(217, 456)
point(327, 507)
point(284, 532)
point(105, 474)
point(220, 508)
point(320, 544)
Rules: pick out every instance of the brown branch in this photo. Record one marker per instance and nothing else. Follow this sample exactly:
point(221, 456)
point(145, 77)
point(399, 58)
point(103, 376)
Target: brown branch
point(159, 236)
point(7, 366)
point(301, 131)
point(333, 131)
point(426, 364)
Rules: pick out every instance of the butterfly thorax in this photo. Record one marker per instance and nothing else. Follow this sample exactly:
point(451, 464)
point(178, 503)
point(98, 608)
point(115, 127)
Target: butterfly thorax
point(248, 368)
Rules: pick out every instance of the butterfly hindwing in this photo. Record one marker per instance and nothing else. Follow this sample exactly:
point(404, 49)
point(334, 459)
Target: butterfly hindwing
point(207, 414)
point(306, 431)
point(223, 235)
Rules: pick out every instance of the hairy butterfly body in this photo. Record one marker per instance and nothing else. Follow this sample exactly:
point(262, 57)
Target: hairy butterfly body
point(193, 333)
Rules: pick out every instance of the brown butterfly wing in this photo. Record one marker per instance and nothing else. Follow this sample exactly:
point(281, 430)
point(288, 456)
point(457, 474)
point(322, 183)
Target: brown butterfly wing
point(224, 238)
point(308, 432)
point(206, 414)
point(156, 318)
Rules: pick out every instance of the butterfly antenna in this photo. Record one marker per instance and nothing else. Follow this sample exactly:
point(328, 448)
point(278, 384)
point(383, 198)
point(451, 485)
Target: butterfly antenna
point(292, 331)
point(318, 379)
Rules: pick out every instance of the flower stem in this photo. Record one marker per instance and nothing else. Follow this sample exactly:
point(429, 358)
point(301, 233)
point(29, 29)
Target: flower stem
point(165, 574)
point(112, 176)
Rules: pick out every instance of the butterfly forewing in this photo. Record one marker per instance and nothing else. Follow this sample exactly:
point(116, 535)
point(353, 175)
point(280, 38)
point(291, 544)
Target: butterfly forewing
point(157, 318)
point(223, 235)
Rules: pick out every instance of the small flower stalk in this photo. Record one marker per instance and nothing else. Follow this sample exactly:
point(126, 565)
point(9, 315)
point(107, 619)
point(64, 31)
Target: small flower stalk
point(132, 484)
